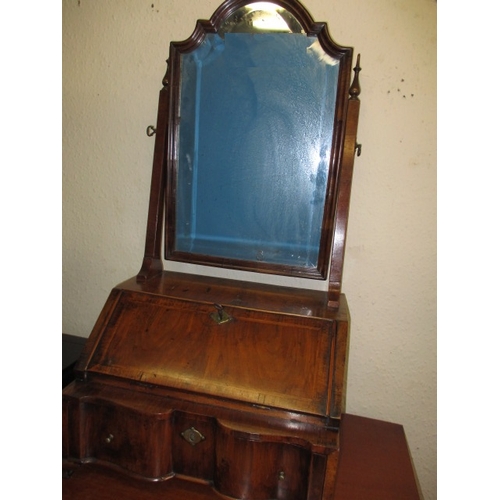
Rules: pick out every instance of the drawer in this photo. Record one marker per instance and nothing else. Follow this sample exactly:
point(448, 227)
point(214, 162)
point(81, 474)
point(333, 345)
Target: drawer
point(259, 466)
point(193, 450)
point(138, 442)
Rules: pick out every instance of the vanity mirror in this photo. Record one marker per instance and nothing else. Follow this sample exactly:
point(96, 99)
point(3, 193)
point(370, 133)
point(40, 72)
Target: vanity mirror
point(235, 384)
point(258, 139)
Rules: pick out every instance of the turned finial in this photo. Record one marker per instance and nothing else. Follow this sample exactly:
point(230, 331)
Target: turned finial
point(165, 78)
point(355, 89)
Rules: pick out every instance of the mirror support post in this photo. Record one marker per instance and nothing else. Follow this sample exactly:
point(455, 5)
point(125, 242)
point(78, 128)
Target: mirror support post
point(152, 264)
point(344, 190)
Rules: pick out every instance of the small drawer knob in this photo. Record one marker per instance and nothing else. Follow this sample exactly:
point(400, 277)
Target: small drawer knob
point(109, 438)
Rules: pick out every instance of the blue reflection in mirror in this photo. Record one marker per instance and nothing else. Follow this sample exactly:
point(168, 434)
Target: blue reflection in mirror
point(254, 144)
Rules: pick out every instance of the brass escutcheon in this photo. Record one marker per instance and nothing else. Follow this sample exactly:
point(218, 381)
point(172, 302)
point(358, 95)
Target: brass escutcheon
point(220, 316)
point(192, 436)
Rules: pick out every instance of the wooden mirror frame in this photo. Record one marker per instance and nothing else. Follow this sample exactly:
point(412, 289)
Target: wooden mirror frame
point(161, 216)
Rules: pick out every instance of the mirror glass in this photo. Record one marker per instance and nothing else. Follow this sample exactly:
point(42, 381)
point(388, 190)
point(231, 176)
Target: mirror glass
point(254, 139)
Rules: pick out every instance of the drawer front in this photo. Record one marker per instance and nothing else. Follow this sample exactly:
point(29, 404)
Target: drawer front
point(135, 441)
point(193, 451)
point(244, 456)
point(258, 467)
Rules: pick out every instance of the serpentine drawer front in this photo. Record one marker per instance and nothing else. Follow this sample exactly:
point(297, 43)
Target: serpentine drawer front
point(139, 434)
point(130, 439)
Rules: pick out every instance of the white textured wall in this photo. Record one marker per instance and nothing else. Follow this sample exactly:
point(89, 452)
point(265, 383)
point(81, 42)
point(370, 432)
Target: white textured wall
point(113, 64)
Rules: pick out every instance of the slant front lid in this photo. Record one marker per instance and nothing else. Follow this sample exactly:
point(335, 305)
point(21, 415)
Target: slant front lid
point(261, 358)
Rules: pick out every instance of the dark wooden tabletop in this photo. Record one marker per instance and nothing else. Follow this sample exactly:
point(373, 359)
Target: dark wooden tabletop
point(374, 464)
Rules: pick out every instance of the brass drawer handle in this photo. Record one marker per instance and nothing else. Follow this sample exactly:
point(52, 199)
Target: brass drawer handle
point(109, 438)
